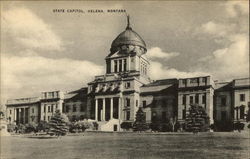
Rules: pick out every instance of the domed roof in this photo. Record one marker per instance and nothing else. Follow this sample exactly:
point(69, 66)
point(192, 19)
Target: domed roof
point(128, 37)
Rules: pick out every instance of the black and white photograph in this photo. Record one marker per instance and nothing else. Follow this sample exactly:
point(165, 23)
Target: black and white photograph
point(124, 79)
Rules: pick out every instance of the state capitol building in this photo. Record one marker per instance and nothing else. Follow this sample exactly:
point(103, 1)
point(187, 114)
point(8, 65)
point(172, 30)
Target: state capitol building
point(115, 97)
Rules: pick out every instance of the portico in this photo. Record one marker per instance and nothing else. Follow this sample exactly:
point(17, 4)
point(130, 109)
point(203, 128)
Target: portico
point(107, 108)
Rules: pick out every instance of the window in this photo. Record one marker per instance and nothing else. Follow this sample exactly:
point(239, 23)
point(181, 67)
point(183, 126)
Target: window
point(74, 108)
point(44, 109)
point(128, 115)
point(144, 103)
point(242, 112)
point(10, 112)
point(127, 85)
point(48, 108)
point(125, 65)
point(184, 99)
point(203, 99)
point(183, 113)
point(136, 103)
point(127, 102)
point(48, 118)
point(154, 116)
point(120, 65)
point(82, 108)
point(242, 97)
point(32, 110)
point(223, 100)
point(183, 81)
point(56, 106)
point(203, 80)
point(164, 116)
point(196, 98)
point(116, 70)
point(191, 99)
point(67, 108)
point(194, 80)
point(44, 118)
point(52, 108)
point(223, 116)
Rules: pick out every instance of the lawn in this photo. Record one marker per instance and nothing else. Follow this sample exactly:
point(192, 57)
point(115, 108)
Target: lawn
point(128, 145)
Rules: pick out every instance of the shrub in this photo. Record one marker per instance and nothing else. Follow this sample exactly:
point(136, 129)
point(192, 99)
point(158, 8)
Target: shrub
point(11, 127)
point(126, 125)
point(32, 127)
point(42, 126)
point(248, 126)
point(239, 126)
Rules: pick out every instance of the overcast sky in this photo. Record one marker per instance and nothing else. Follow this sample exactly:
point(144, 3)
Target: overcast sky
point(42, 50)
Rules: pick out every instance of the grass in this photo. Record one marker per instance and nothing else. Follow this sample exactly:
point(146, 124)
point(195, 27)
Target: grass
point(128, 146)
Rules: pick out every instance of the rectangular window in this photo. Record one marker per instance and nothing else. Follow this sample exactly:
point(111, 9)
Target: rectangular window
point(48, 108)
point(32, 110)
point(197, 99)
point(82, 108)
point(184, 114)
point(242, 97)
point(144, 103)
point(120, 65)
point(44, 118)
point(194, 80)
point(128, 115)
point(74, 108)
point(116, 70)
point(203, 80)
point(125, 65)
point(136, 103)
point(127, 102)
point(184, 99)
point(203, 99)
point(10, 112)
point(52, 108)
point(223, 100)
point(242, 112)
point(191, 99)
point(67, 108)
point(48, 118)
point(44, 108)
point(127, 85)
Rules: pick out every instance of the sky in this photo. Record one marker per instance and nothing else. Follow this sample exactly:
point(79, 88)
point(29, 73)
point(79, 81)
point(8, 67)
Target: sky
point(42, 50)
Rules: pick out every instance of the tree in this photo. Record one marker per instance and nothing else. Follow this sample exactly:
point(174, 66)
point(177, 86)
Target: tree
point(58, 124)
point(197, 120)
point(173, 121)
point(140, 121)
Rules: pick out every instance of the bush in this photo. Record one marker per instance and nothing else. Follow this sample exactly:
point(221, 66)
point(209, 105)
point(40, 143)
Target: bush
point(166, 127)
point(126, 125)
point(155, 126)
point(20, 128)
point(32, 127)
point(42, 126)
point(11, 127)
point(239, 126)
point(248, 126)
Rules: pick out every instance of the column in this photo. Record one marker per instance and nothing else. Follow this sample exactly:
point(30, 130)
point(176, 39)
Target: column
point(112, 66)
point(180, 107)
point(119, 107)
point(129, 60)
point(96, 109)
point(122, 65)
point(42, 112)
point(111, 108)
point(235, 113)
point(14, 114)
point(103, 105)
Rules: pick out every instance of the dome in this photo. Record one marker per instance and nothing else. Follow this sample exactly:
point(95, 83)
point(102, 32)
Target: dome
point(128, 37)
